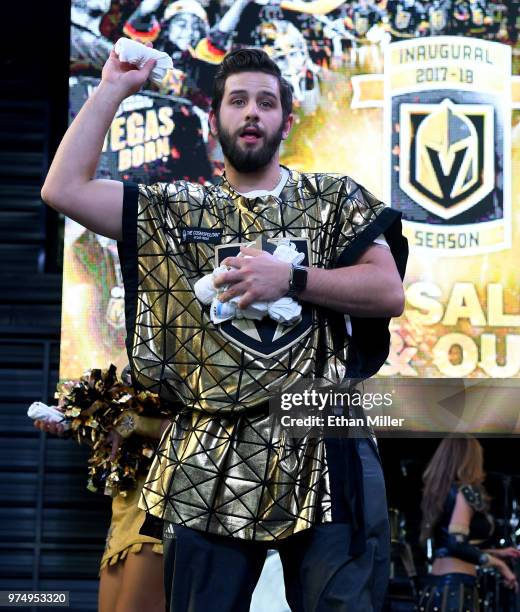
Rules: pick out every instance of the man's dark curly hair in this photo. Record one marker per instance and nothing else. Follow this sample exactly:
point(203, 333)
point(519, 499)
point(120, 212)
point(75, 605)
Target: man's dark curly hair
point(250, 60)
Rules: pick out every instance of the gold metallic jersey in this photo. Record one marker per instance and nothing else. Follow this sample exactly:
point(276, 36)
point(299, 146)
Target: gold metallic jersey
point(225, 465)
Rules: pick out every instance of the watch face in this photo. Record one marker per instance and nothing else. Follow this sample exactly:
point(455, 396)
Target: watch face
point(299, 278)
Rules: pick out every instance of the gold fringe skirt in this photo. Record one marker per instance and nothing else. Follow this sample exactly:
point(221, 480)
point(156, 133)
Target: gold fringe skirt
point(123, 535)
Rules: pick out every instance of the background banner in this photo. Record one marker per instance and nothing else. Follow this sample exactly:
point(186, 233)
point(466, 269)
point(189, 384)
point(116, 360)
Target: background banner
point(417, 101)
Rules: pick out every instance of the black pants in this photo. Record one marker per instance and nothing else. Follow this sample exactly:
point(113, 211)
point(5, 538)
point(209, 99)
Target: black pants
point(211, 573)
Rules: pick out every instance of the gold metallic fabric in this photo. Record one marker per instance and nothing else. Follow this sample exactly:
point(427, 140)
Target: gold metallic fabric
point(123, 535)
point(225, 465)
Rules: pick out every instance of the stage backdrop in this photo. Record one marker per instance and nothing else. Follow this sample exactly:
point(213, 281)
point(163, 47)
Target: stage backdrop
point(416, 101)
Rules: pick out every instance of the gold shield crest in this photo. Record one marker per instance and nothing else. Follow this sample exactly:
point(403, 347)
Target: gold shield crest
point(446, 155)
point(266, 338)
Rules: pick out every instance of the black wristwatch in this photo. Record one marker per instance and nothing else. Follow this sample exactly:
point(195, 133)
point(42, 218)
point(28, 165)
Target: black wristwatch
point(297, 280)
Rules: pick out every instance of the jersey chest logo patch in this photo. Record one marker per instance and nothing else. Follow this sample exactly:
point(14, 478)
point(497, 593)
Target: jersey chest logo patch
point(266, 338)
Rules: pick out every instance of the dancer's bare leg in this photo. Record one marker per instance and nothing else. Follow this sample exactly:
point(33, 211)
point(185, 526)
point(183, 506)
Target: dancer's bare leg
point(142, 586)
point(133, 585)
point(110, 580)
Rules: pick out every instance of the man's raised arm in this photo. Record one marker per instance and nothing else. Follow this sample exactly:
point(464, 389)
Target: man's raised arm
point(70, 187)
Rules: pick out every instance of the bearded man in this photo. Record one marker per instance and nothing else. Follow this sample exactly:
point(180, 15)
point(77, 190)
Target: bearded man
point(227, 480)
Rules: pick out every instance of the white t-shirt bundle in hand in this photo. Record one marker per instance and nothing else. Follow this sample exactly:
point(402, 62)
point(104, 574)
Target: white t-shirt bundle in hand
point(133, 52)
point(41, 412)
point(285, 310)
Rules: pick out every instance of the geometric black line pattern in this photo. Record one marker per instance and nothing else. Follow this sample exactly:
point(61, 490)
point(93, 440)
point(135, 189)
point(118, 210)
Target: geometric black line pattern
point(225, 466)
point(238, 476)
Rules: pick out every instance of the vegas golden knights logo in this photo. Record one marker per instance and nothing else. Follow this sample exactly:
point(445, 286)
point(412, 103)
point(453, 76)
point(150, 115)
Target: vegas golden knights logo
point(446, 155)
point(447, 124)
point(265, 338)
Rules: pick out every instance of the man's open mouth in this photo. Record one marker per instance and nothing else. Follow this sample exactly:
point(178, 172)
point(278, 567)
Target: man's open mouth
point(250, 134)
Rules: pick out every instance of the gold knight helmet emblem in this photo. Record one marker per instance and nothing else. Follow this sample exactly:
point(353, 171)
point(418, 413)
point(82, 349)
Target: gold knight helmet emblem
point(446, 155)
point(447, 141)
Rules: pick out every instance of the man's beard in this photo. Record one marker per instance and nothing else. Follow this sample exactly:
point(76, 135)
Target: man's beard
point(248, 160)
